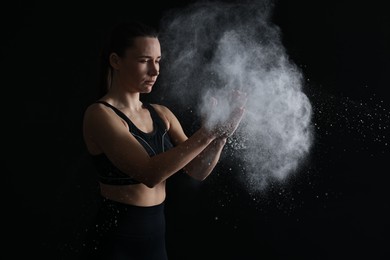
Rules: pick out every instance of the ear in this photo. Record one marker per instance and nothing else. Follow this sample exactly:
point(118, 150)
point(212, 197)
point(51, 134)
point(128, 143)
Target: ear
point(114, 60)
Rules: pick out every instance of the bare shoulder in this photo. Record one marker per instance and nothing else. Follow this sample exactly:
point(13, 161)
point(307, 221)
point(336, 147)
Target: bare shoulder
point(99, 116)
point(163, 110)
point(166, 114)
point(95, 110)
point(160, 108)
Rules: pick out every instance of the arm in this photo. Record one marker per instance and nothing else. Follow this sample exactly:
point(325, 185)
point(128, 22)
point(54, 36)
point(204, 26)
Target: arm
point(201, 167)
point(108, 133)
point(203, 164)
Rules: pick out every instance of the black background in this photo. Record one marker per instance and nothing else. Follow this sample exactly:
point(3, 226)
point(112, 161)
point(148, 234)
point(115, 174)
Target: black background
point(335, 207)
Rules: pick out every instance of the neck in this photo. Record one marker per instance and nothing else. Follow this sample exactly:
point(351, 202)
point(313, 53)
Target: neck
point(129, 101)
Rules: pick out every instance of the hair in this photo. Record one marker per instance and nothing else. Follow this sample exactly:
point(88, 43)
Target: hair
point(120, 38)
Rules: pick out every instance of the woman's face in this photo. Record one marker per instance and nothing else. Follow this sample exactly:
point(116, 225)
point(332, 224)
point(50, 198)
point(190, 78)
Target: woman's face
point(138, 69)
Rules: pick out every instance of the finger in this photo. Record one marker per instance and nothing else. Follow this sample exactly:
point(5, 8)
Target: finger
point(213, 102)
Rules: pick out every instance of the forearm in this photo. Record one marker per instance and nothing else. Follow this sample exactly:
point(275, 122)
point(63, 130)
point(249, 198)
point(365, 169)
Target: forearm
point(177, 158)
point(202, 165)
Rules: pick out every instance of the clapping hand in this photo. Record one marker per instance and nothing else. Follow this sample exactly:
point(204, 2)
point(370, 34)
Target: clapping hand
point(236, 101)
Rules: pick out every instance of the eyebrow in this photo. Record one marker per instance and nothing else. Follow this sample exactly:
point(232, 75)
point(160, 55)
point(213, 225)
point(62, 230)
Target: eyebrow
point(146, 56)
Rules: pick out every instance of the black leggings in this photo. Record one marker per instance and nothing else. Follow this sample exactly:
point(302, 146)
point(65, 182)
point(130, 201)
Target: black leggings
point(124, 231)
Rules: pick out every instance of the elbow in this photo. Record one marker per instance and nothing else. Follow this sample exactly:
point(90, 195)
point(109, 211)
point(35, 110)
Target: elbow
point(151, 177)
point(195, 174)
point(196, 177)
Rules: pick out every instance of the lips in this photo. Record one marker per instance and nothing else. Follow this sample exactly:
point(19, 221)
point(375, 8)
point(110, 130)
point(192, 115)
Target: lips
point(149, 82)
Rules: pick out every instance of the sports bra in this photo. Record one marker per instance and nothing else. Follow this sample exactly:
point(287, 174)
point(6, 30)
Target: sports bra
point(154, 143)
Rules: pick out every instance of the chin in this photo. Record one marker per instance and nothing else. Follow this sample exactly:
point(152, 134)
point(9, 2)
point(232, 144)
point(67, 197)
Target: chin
point(148, 90)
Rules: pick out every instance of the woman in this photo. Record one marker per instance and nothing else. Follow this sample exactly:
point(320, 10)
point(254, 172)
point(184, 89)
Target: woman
point(136, 146)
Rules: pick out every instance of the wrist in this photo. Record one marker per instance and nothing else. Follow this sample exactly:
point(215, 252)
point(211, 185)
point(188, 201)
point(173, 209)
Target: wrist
point(206, 134)
point(221, 140)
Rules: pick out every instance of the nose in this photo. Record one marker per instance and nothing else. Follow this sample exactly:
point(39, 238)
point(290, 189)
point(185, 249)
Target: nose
point(154, 69)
